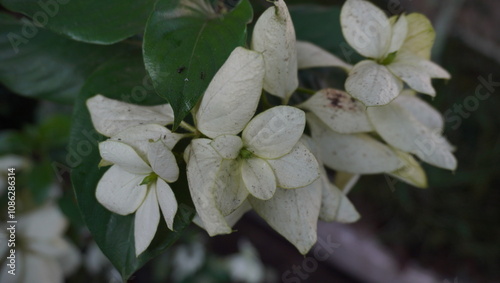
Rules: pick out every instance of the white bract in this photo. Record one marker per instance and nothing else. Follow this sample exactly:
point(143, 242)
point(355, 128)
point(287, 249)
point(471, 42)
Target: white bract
point(110, 116)
point(352, 153)
point(411, 125)
point(393, 52)
point(225, 169)
point(274, 36)
point(42, 254)
point(339, 111)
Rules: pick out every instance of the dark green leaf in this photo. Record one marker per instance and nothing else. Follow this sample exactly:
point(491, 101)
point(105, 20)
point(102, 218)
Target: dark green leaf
point(123, 78)
point(46, 65)
point(94, 21)
point(183, 49)
point(321, 26)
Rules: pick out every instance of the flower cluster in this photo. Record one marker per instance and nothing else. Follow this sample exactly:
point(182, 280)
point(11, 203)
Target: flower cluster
point(238, 161)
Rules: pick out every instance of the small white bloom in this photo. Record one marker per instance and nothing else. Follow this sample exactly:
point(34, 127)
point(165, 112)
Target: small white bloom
point(42, 253)
point(223, 170)
point(393, 56)
point(137, 180)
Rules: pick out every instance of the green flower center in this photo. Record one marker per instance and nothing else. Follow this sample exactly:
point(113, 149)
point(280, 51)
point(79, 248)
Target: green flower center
point(149, 179)
point(245, 153)
point(389, 59)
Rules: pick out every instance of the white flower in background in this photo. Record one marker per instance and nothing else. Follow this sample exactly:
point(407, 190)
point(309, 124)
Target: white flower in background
point(224, 170)
point(246, 265)
point(393, 55)
point(187, 260)
point(411, 125)
point(138, 179)
point(42, 253)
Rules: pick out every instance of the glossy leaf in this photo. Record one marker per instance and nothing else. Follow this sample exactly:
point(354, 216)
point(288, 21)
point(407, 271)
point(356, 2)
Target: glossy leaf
point(94, 21)
point(41, 64)
point(185, 44)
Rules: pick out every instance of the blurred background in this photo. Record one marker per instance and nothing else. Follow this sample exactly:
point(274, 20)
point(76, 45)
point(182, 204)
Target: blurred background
point(449, 232)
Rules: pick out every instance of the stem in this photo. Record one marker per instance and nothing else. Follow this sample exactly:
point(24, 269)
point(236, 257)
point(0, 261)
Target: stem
point(306, 90)
point(188, 127)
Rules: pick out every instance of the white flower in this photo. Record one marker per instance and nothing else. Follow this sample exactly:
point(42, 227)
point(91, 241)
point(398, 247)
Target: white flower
point(42, 253)
point(411, 125)
point(139, 149)
point(224, 170)
point(137, 182)
point(394, 57)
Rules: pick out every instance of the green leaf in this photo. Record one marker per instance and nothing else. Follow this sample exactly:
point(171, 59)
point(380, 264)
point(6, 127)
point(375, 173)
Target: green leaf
point(93, 21)
point(321, 26)
point(122, 78)
point(184, 48)
point(46, 65)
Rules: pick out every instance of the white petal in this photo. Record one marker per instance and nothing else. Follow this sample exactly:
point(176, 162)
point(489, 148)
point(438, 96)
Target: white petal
point(346, 181)
point(258, 178)
point(222, 110)
point(45, 223)
point(411, 172)
point(167, 201)
point(163, 161)
point(297, 169)
point(400, 129)
point(353, 153)
point(228, 146)
point(420, 37)
point(312, 56)
point(434, 70)
point(139, 137)
point(202, 169)
point(274, 132)
point(146, 221)
point(339, 111)
point(40, 269)
point(111, 116)
point(366, 28)
point(232, 218)
point(274, 36)
point(123, 156)
point(372, 83)
point(335, 206)
point(229, 190)
point(293, 214)
point(421, 111)
point(399, 31)
point(119, 191)
point(413, 75)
